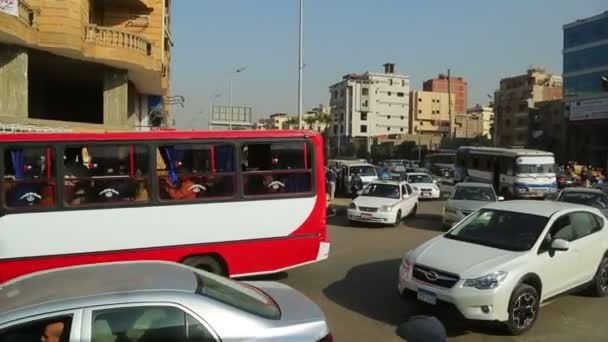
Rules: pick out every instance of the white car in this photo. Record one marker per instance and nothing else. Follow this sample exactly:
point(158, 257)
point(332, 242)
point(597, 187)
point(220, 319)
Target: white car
point(466, 199)
point(503, 261)
point(423, 185)
point(386, 202)
point(367, 172)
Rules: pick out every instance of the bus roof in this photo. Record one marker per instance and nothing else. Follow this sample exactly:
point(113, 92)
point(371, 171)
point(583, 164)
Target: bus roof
point(512, 152)
point(154, 135)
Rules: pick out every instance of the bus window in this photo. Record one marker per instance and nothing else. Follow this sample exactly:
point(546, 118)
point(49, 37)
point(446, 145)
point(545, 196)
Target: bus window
point(276, 168)
point(104, 174)
point(28, 178)
point(195, 172)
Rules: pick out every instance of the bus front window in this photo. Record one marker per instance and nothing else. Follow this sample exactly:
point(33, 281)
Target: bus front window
point(535, 168)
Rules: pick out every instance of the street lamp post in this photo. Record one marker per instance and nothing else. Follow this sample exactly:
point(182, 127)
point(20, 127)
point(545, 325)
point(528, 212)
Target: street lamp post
point(300, 65)
point(212, 100)
point(237, 71)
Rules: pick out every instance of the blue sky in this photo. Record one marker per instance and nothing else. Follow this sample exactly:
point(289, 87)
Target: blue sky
point(480, 40)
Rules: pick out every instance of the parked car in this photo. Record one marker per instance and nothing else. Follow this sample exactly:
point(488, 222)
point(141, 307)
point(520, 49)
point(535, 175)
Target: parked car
point(153, 301)
point(367, 172)
point(386, 202)
point(466, 199)
point(586, 196)
point(503, 261)
point(423, 184)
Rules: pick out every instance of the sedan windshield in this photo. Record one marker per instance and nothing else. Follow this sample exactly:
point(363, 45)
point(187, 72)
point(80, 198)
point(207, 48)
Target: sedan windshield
point(381, 190)
point(363, 171)
point(500, 229)
point(535, 168)
point(596, 200)
point(419, 179)
point(470, 193)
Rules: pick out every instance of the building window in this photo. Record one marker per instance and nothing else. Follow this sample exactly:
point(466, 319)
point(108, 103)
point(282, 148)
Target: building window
point(389, 93)
point(403, 83)
point(364, 91)
point(401, 129)
point(388, 117)
point(335, 130)
point(400, 94)
point(29, 178)
point(363, 116)
point(388, 128)
point(363, 128)
point(420, 99)
point(390, 81)
point(364, 103)
point(402, 117)
point(419, 111)
point(523, 107)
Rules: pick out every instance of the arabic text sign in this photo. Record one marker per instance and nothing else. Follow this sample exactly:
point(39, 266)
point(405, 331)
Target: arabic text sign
point(10, 7)
point(589, 109)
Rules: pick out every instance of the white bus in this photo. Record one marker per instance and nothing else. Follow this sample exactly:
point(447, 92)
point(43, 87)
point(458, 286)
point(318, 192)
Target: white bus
point(514, 173)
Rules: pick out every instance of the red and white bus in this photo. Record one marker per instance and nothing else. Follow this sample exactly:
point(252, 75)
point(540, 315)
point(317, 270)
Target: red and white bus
point(235, 203)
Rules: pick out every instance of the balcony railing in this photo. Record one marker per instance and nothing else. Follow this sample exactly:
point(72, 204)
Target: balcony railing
point(27, 13)
point(115, 38)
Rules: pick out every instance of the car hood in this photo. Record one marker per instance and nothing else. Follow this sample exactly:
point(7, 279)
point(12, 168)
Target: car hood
point(295, 307)
point(468, 260)
point(466, 205)
point(374, 202)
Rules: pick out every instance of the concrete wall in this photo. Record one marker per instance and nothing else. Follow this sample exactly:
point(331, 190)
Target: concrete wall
point(13, 81)
point(115, 98)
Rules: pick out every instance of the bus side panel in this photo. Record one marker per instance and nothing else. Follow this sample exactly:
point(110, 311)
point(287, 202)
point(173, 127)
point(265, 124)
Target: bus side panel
point(244, 257)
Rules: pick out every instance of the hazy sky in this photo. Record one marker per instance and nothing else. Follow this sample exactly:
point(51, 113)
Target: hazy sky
point(480, 40)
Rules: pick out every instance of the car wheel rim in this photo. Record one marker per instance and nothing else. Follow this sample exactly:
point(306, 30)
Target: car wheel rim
point(524, 310)
point(604, 279)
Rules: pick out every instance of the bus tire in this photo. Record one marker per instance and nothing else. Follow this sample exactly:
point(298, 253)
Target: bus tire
point(209, 263)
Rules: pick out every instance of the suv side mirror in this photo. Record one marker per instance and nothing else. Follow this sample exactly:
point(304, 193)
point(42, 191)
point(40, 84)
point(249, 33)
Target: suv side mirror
point(501, 198)
point(560, 245)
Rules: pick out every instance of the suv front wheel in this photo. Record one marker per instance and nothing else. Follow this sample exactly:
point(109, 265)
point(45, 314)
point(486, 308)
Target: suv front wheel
point(523, 309)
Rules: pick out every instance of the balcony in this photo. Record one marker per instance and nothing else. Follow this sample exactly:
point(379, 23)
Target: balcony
point(27, 13)
point(117, 39)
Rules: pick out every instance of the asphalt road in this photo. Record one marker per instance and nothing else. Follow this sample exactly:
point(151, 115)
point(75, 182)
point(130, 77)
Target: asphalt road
point(356, 288)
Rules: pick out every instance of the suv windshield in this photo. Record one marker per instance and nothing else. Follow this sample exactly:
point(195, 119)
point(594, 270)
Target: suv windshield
point(535, 168)
point(381, 190)
point(419, 179)
point(596, 200)
point(500, 229)
point(363, 171)
point(470, 193)
point(238, 295)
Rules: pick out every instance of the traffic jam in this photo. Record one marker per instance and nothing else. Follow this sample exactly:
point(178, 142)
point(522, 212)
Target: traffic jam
point(180, 236)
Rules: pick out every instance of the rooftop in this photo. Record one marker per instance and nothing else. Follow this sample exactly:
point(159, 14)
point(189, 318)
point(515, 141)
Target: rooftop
point(539, 208)
point(473, 184)
point(94, 280)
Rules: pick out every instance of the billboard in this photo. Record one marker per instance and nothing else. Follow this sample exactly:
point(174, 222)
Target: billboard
point(589, 109)
point(10, 7)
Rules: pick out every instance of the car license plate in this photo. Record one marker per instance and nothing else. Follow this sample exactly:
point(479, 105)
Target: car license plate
point(426, 194)
point(366, 215)
point(427, 296)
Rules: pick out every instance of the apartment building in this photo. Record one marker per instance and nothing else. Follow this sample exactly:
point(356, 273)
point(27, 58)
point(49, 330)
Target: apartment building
point(468, 126)
point(455, 85)
point(370, 105)
point(487, 117)
point(586, 88)
point(85, 64)
point(430, 112)
point(514, 99)
point(549, 128)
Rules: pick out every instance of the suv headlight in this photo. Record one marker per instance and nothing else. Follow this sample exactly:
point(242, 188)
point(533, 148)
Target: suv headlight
point(490, 281)
point(407, 263)
point(352, 206)
point(387, 208)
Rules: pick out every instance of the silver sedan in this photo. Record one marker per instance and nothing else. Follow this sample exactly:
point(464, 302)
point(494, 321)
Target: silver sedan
point(153, 301)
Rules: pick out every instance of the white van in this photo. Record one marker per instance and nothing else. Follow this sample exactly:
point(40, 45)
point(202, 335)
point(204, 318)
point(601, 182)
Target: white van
point(367, 172)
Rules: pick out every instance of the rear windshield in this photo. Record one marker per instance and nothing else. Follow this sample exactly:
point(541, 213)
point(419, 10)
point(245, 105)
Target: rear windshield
point(239, 295)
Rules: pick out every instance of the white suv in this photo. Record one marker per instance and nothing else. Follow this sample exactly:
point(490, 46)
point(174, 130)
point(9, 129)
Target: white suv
point(504, 260)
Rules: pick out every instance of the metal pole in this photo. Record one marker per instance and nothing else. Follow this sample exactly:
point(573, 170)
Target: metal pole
point(450, 105)
point(300, 66)
point(230, 104)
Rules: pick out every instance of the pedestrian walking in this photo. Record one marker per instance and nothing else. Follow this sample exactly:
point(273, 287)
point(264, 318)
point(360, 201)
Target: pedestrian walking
point(356, 184)
point(331, 178)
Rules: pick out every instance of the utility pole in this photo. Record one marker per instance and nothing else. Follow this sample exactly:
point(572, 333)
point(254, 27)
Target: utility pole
point(300, 66)
point(450, 105)
point(230, 104)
